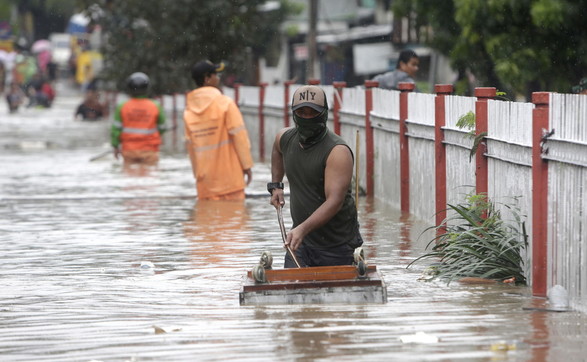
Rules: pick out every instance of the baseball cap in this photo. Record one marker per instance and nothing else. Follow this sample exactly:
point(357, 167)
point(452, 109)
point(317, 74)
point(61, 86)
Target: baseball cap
point(309, 96)
point(581, 86)
point(205, 67)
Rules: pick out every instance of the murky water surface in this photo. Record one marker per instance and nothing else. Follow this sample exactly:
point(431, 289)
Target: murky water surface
point(102, 263)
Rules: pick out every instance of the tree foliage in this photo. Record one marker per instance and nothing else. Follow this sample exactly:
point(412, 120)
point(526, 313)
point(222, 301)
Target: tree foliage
point(519, 46)
point(165, 38)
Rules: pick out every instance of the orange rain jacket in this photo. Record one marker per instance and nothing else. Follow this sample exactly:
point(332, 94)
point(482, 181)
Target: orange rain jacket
point(138, 124)
point(218, 142)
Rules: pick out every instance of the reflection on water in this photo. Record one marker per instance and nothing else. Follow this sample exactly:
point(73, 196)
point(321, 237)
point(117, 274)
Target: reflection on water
point(75, 233)
point(218, 232)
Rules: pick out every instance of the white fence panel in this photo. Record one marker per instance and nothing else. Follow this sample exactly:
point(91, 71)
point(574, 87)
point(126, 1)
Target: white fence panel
point(385, 103)
point(567, 196)
point(460, 169)
point(386, 164)
point(509, 149)
point(248, 96)
point(353, 101)
point(329, 91)
point(350, 125)
point(420, 132)
point(274, 96)
point(229, 92)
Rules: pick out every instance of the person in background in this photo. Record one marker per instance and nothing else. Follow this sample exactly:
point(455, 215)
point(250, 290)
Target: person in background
point(581, 88)
point(217, 140)
point(319, 167)
point(40, 91)
point(92, 109)
point(2, 76)
point(138, 124)
point(405, 71)
point(14, 97)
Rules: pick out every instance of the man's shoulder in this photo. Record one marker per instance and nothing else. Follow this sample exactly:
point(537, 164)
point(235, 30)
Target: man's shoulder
point(384, 75)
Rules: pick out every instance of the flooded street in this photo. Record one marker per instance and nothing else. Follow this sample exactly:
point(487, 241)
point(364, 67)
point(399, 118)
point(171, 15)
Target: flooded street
point(102, 263)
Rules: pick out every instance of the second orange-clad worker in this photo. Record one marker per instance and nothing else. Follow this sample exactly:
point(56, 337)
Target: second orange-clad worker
point(138, 124)
point(217, 140)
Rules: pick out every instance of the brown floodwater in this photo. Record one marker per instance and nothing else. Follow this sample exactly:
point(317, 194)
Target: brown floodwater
point(103, 263)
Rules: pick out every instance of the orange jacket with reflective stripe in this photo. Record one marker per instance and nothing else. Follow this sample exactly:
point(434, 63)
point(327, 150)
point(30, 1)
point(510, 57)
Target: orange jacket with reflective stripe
point(218, 142)
point(139, 118)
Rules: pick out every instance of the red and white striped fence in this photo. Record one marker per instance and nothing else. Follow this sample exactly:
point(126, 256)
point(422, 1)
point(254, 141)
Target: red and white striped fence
point(413, 156)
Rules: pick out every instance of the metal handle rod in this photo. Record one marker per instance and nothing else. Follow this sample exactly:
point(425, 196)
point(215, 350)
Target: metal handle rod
point(357, 173)
point(284, 236)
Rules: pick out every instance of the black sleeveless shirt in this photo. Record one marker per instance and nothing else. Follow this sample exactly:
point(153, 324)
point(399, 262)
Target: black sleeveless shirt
point(304, 169)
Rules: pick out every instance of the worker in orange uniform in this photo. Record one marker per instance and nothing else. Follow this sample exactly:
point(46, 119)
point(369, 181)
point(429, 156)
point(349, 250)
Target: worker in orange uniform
point(138, 124)
point(217, 140)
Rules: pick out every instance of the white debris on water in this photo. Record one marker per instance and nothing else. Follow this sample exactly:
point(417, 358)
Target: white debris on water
point(558, 297)
point(419, 337)
point(146, 265)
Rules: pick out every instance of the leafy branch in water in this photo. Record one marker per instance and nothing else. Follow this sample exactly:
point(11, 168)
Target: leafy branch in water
point(476, 242)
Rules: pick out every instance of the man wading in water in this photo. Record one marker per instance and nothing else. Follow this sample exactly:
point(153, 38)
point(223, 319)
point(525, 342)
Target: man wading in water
point(319, 167)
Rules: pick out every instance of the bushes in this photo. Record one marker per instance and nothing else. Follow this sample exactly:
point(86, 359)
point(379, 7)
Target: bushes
point(475, 242)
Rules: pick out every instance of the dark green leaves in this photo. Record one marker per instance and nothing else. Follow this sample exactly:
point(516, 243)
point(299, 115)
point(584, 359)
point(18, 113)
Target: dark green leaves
point(165, 38)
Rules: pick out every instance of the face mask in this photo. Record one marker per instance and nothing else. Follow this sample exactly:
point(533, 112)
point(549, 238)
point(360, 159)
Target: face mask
point(311, 130)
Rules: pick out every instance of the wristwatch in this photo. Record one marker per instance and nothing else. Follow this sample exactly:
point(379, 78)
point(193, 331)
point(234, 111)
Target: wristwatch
point(274, 185)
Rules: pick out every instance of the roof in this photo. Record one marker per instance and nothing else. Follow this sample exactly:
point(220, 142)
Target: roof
point(362, 32)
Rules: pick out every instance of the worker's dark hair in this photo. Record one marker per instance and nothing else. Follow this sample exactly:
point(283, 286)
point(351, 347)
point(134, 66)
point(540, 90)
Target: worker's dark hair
point(405, 56)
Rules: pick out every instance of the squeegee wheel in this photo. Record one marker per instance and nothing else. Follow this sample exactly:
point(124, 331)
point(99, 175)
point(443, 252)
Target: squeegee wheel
point(359, 255)
point(259, 273)
point(266, 260)
point(362, 268)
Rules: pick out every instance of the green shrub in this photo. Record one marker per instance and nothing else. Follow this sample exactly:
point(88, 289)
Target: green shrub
point(475, 242)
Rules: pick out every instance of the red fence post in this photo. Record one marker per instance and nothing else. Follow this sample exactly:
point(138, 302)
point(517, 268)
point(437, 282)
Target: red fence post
point(481, 161)
point(262, 87)
point(441, 90)
point(540, 124)
point(286, 102)
point(313, 81)
point(237, 92)
point(369, 147)
point(404, 150)
point(338, 86)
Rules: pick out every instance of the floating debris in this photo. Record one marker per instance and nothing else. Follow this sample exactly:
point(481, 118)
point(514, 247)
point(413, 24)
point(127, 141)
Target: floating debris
point(419, 337)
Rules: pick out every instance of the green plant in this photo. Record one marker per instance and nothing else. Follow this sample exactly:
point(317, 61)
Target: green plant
point(475, 242)
point(467, 121)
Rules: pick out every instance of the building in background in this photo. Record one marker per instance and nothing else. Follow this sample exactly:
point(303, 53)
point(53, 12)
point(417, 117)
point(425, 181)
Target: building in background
point(355, 40)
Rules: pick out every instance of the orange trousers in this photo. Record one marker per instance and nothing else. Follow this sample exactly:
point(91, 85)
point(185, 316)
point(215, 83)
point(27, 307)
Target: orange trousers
point(237, 195)
point(139, 156)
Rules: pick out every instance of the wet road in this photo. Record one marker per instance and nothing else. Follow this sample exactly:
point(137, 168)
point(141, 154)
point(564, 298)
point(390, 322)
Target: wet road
point(102, 263)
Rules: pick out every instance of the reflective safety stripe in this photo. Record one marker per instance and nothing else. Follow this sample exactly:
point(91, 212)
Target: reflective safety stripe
point(139, 130)
point(212, 147)
point(117, 124)
point(236, 130)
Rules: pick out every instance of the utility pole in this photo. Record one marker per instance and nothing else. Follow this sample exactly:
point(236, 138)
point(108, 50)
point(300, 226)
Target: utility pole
point(311, 39)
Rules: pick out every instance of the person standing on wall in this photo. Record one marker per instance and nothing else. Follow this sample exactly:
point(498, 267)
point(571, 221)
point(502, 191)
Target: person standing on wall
point(138, 124)
point(319, 167)
point(217, 140)
point(405, 71)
